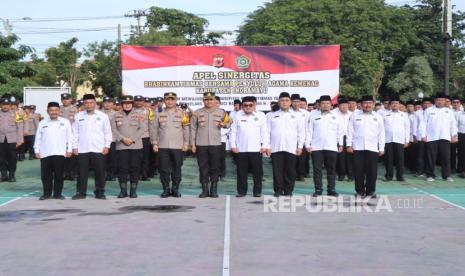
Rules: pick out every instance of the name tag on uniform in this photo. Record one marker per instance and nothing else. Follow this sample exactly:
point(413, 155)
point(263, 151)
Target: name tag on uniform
point(243, 120)
point(81, 120)
point(358, 119)
point(317, 119)
point(276, 116)
point(44, 126)
point(388, 115)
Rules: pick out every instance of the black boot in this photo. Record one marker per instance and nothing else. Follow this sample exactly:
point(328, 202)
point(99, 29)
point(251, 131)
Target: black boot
point(175, 190)
point(11, 177)
point(4, 176)
point(166, 190)
point(204, 190)
point(132, 192)
point(213, 189)
point(124, 190)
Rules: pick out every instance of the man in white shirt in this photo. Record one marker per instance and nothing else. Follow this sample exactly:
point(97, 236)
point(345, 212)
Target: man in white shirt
point(92, 138)
point(53, 143)
point(325, 131)
point(345, 161)
point(410, 152)
point(249, 140)
point(397, 133)
point(302, 160)
point(456, 108)
point(439, 130)
point(427, 102)
point(461, 142)
point(366, 139)
point(287, 136)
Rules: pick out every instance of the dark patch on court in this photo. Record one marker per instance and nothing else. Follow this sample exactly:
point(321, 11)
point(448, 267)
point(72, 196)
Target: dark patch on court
point(156, 208)
point(19, 215)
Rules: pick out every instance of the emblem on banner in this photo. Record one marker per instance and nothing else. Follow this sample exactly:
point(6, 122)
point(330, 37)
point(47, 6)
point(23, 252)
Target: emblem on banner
point(243, 62)
point(218, 60)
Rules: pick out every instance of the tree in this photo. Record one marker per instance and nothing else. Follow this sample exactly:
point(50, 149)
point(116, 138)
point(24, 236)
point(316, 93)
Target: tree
point(175, 27)
point(103, 67)
point(13, 71)
point(64, 58)
point(416, 77)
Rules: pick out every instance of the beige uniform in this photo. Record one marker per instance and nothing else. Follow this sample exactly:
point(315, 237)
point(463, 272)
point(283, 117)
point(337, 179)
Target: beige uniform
point(11, 127)
point(146, 115)
point(68, 112)
point(111, 114)
point(205, 129)
point(127, 126)
point(170, 129)
point(30, 123)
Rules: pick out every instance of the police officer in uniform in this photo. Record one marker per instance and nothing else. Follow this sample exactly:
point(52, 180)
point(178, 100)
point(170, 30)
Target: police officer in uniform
point(170, 139)
point(205, 139)
point(146, 116)
point(128, 130)
point(366, 140)
point(110, 159)
point(11, 137)
point(30, 122)
point(69, 111)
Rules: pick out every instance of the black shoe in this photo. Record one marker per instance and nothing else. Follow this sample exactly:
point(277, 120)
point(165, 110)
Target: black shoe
point(257, 195)
point(317, 193)
point(60, 197)
point(333, 193)
point(371, 195)
point(132, 191)
point(350, 178)
point(359, 195)
point(214, 190)
point(401, 179)
point(204, 192)
point(11, 177)
point(78, 196)
point(340, 178)
point(123, 190)
point(240, 195)
point(44, 197)
point(166, 193)
point(4, 177)
point(100, 196)
point(387, 179)
point(175, 193)
point(276, 195)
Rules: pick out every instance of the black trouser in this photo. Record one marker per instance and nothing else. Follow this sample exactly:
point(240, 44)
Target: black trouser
point(28, 145)
point(146, 152)
point(154, 163)
point(344, 162)
point(170, 166)
point(249, 161)
point(52, 174)
point(223, 160)
point(97, 162)
point(283, 164)
point(301, 164)
point(461, 153)
point(111, 160)
point(328, 159)
point(209, 159)
point(129, 163)
point(453, 157)
point(8, 157)
point(394, 155)
point(71, 166)
point(365, 171)
point(433, 149)
point(421, 157)
point(410, 155)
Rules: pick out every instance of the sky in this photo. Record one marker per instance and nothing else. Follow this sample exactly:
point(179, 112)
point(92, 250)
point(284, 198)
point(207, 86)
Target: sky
point(45, 23)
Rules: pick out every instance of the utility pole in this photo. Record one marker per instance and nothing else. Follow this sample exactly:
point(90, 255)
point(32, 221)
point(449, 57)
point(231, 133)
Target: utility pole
point(119, 34)
point(447, 34)
point(137, 14)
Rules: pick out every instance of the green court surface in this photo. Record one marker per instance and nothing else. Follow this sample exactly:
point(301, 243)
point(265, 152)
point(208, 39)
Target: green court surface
point(29, 185)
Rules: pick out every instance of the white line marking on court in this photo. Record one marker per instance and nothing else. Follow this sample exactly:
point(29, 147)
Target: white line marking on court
point(17, 198)
point(440, 199)
point(227, 235)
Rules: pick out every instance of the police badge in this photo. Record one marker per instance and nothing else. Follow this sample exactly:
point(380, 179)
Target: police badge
point(218, 60)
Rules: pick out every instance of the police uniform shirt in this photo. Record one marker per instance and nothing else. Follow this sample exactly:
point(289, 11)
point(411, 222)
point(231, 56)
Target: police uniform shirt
point(54, 137)
point(438, 124)
point(111, 114)
point(249, 133)
point(30, 123)
point(91, 133)
point(127, 126)
point(170, 129)
point(286, 131)
point(366, 131)
point(11, 127)
point(68, 112)
point(146, 116)
point(204, 126)
point(397, 127)
point(324, 131)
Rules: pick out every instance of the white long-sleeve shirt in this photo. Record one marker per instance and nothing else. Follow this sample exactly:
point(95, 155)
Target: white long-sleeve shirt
point(53, 137)
point(324, 131)
point(438, 124)
point(411, 118)
point(249, 133)
point(417, 121)
point(91, 133)
point(461, 121)
point(286, 131)
point(397, 127)
point(366, 131)
point(344, 117)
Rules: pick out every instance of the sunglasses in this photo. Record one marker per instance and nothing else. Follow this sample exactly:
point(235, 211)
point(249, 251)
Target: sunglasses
point(247, 105)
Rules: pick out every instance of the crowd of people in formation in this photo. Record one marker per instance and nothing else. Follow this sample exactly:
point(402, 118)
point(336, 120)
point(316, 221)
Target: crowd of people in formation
point(132, 139)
